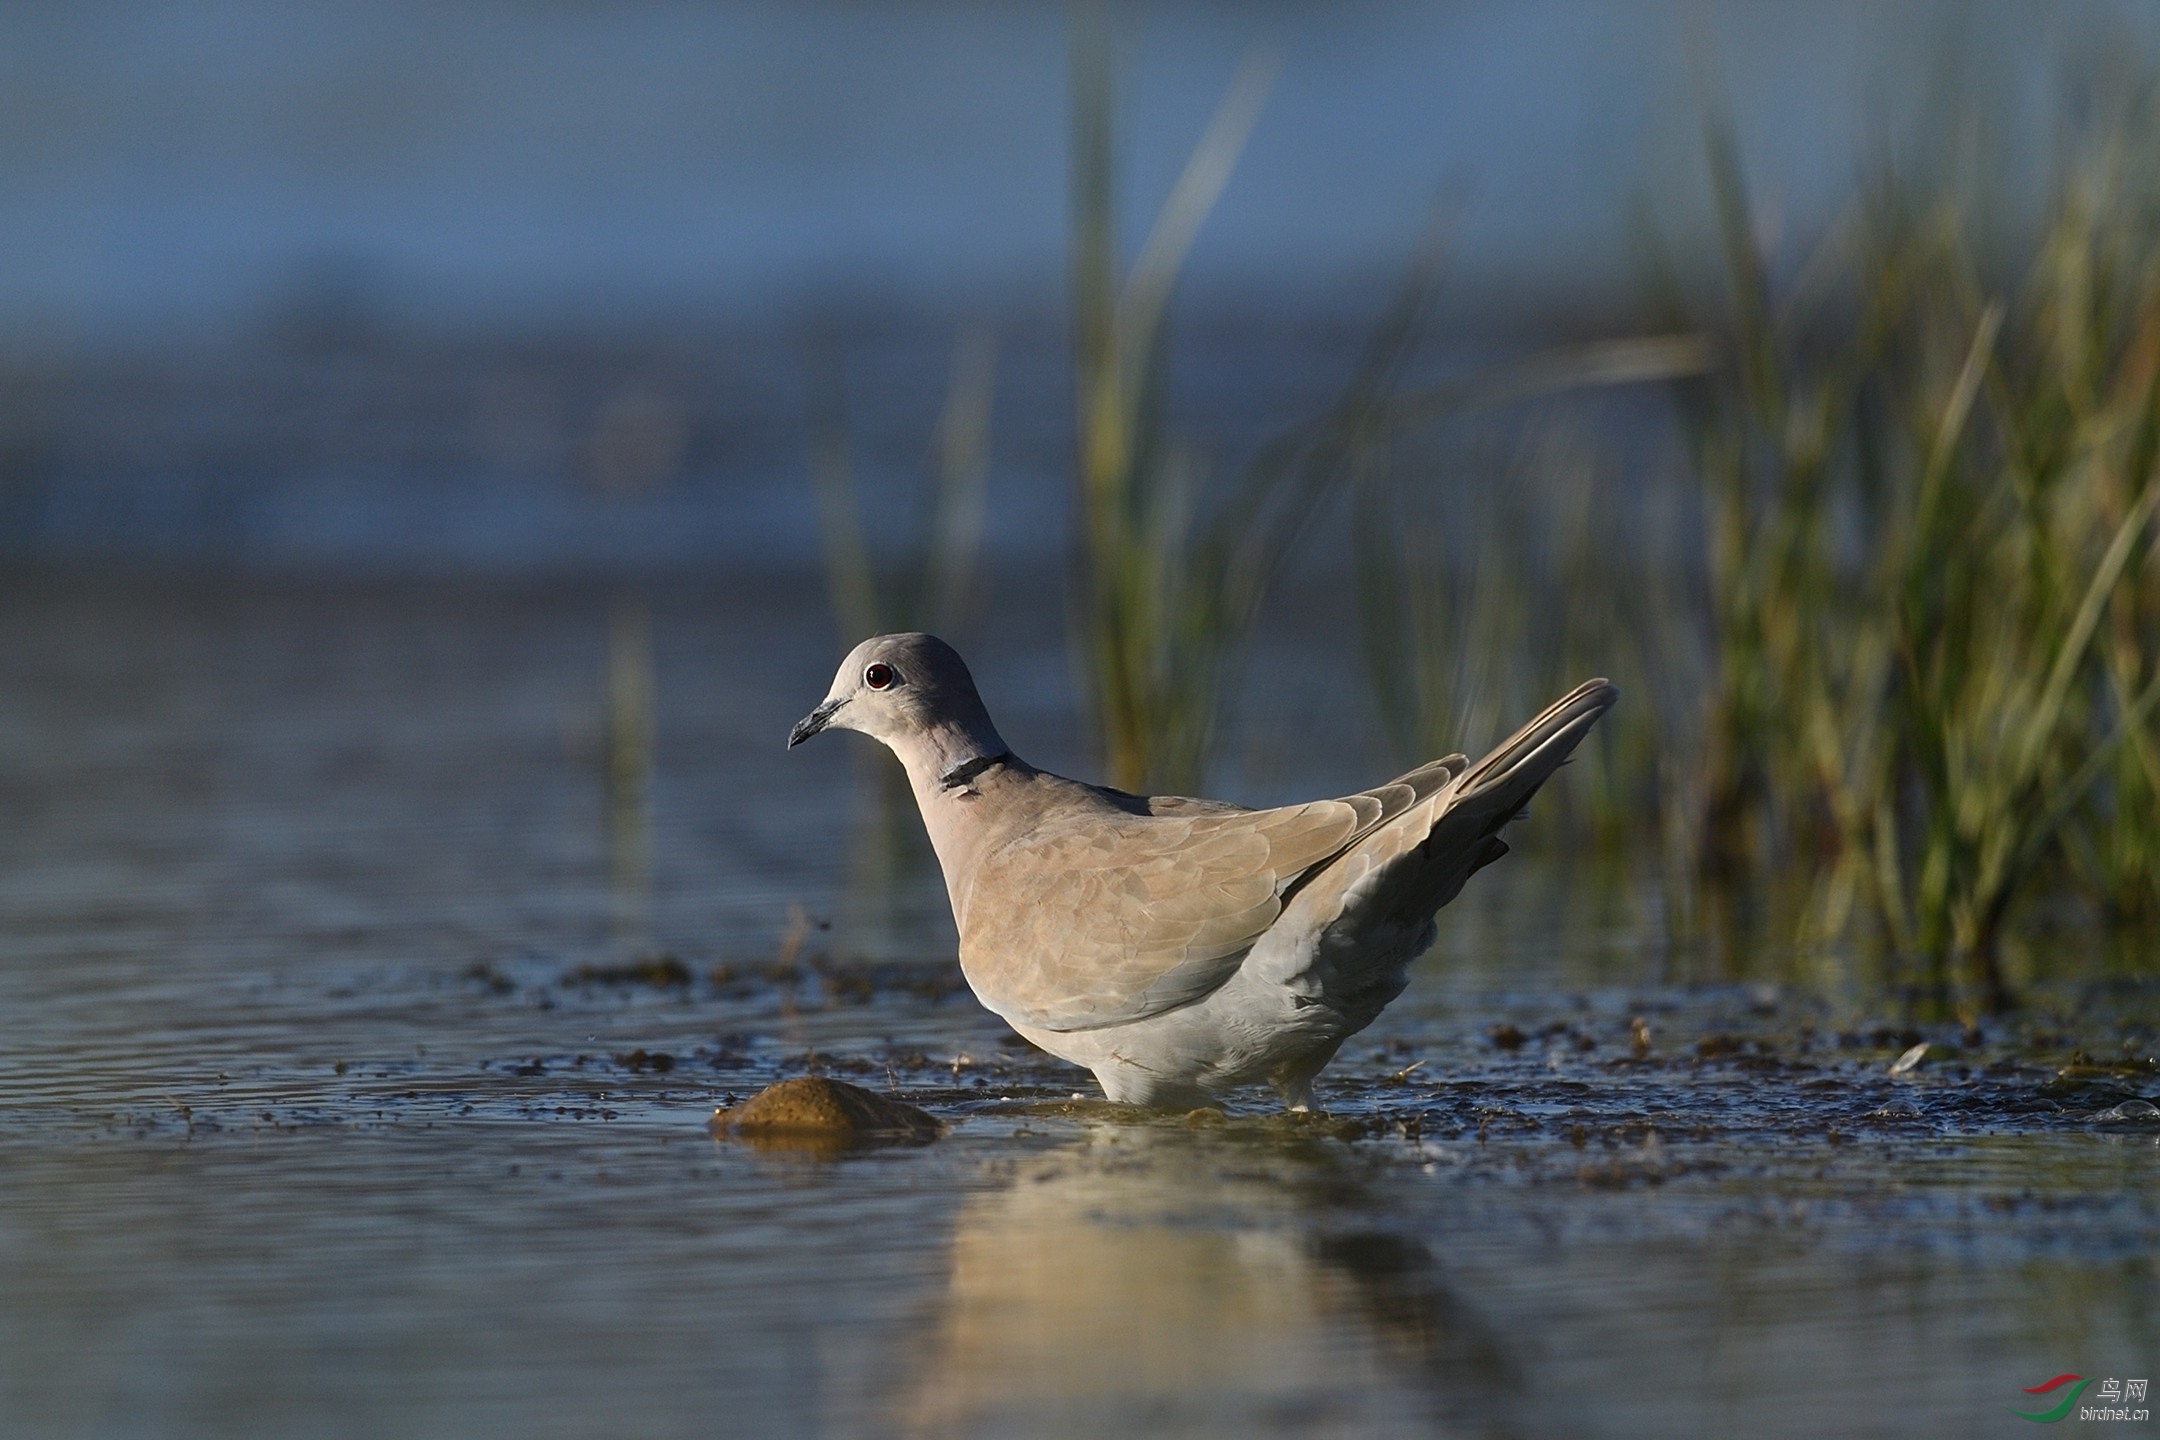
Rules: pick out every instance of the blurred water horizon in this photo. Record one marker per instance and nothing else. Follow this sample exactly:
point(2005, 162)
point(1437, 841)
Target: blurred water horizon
point(185, 172)
point(515, 288)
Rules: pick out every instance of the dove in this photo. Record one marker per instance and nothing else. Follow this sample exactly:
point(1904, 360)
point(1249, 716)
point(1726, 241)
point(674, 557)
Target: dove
point(1180, 948)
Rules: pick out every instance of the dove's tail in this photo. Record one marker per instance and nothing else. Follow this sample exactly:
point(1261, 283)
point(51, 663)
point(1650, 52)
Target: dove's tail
point(1420, 860)
point(1503, 782)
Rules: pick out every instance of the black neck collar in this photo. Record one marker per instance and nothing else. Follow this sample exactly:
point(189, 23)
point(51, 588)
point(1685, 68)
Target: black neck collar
point(967, 770)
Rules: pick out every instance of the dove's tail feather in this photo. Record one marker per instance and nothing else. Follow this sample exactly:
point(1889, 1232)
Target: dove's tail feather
point(1469, 816)
point(1527, 759)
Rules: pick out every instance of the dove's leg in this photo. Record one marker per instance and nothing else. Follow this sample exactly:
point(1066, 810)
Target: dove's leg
point(1294, 1081)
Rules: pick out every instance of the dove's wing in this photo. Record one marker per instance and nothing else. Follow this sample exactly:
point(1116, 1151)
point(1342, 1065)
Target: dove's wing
point(1102, 918)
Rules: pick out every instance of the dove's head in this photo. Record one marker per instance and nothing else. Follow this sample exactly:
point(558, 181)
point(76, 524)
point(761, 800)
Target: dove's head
point(914, 693)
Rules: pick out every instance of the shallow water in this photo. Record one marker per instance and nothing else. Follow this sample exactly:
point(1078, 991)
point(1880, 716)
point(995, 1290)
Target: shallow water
point(344, 1091)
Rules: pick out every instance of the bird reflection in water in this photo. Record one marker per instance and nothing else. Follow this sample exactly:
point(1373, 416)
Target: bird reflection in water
point(1199, 1284)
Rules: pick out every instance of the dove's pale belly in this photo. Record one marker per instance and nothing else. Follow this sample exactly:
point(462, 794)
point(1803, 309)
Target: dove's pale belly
point(1258, 1026)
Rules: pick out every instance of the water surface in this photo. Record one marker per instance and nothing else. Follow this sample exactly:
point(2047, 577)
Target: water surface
point(345, 1091)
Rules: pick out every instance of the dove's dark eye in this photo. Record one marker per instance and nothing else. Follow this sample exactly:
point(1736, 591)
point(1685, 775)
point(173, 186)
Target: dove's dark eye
point(879, 676)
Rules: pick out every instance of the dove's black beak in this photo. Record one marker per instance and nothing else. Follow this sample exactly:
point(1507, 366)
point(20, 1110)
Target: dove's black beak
point(813, 722)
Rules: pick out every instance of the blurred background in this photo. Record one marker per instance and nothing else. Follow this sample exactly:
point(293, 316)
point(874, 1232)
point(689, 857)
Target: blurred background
point(1444, 352)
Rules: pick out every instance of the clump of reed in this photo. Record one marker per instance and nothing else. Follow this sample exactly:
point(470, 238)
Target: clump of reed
point(1916, 660)
point(1934, 587)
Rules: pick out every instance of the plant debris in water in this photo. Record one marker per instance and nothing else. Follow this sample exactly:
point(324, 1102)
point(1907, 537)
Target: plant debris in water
point(662, 972)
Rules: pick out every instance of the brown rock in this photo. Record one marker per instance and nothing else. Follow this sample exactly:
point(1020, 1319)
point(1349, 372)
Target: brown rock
point(823, 1113)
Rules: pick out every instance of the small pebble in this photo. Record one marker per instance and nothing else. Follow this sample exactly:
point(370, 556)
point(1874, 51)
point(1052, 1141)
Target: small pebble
point(820, 1111)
